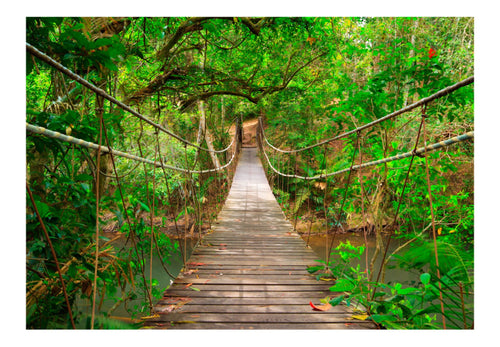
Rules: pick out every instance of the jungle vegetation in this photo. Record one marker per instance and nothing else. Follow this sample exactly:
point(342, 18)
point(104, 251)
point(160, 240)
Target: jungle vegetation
point(309, 79)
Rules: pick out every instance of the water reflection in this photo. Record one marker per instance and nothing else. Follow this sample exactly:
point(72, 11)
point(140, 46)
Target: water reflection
point(123, 311)
point(320, 244)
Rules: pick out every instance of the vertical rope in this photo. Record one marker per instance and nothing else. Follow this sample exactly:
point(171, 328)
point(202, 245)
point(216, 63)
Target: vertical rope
point(397, 209)
point(278, 177)
point(274, 175)
point(148, 289)
point(295, 194)
point(152, 213)
point(217, 192)
point(96, 265)
point(132, 233)
point(341, 208)
point(325, 209)
point(312, 214)
point(424, 116)
point(360, 178)
point(173, 210)
point(54, 255)
point(186, 216)
point(289, 162)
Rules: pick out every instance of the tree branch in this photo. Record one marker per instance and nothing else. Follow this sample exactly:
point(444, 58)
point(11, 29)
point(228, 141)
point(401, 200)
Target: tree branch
point(192, 24)
point(185, 104)
point(195, 24)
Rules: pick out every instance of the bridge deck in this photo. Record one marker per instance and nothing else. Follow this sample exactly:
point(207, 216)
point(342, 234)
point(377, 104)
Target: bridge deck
point(251, 271)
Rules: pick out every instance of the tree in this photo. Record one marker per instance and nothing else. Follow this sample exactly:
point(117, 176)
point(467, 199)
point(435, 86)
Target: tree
point(243, 57)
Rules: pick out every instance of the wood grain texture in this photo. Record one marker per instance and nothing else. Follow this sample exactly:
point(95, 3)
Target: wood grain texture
point(250, 272)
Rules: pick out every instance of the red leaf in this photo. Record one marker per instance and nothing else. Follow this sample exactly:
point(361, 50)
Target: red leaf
point(195, 264)
point(324, 307)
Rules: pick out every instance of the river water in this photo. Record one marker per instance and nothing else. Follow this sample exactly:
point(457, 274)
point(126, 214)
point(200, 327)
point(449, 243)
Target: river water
point(140, 305)
point(320, 244)
point(392, 274)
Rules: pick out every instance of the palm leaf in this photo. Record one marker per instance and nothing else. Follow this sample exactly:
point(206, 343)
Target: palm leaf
point(299, 200)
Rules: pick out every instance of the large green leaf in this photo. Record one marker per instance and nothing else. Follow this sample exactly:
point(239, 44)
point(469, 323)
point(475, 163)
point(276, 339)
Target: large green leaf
point(343, 285)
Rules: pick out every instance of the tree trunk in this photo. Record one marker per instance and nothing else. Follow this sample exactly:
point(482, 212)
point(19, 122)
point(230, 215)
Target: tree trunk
point(104, 159)
point(208, 136)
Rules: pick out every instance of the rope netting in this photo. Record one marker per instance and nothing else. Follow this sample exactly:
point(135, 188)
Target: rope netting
point(184, 201)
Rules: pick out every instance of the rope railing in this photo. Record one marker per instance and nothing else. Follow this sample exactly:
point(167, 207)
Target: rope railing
point(420, 103)
point(56, 135)
point(281, 167)
point(42, 56)
point(420, 151)
point(195, 212)
point(190, 182)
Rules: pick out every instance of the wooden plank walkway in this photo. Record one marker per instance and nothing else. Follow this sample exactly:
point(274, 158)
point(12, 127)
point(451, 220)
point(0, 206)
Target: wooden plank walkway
point(250, 273)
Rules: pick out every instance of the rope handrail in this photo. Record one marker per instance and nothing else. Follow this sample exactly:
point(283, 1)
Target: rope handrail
point(39, 54)
point(421, 102)
point(56, 135)
point(467, 136)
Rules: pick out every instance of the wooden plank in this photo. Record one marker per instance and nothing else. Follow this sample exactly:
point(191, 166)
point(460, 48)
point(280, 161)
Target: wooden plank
point(254, 259)
point(246, 317)
point(296, 287)
point(246, 269)
point(199, 308)
point(237, 301)
point(308, 295)
point(274, 280)
point(261, 326)
point(251, 271)
point(264, 262)
point(255, 250)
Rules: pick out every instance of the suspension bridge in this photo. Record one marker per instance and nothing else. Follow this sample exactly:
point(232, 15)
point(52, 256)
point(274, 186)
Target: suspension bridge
point(250, 271)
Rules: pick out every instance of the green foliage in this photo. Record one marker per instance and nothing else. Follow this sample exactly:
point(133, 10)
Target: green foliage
point(380, 65)
point(403, 306)
point(310, 78)
point(63, 179)
point(102, 322)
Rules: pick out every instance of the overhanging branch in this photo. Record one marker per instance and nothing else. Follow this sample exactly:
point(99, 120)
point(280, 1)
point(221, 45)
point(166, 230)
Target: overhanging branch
point(195, 24)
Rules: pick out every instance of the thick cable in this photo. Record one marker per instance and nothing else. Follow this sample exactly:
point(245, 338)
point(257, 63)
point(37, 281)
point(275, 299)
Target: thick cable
point(421, 102)
point(42, 56)
point(467, 136)
point(56, 135)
